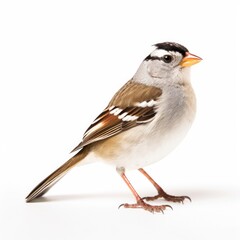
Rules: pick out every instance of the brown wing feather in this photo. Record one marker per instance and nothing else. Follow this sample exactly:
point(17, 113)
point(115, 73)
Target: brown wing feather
point(132, 93)
point(108, 123)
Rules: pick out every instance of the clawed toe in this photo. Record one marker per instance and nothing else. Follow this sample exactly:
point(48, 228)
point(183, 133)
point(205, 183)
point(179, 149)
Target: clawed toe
point(179, 199)
point(141, 204)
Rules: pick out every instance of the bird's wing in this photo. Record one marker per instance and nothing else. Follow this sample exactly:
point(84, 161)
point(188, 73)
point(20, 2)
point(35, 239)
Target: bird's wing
point(132, 105)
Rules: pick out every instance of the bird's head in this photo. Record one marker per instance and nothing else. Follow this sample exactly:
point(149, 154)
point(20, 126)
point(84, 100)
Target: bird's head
point(168, 63)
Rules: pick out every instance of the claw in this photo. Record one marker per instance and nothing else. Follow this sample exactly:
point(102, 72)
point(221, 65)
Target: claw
point(169, 206)
point(120, 206)
point(190, 200)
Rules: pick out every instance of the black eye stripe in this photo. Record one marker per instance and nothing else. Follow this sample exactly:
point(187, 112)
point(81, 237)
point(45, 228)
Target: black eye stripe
point(149, 57)
point(166, 58)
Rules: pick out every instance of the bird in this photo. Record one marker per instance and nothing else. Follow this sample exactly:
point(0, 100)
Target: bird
point(143, 122)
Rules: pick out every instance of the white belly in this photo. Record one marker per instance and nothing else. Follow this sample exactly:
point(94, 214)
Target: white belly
point(152, 149)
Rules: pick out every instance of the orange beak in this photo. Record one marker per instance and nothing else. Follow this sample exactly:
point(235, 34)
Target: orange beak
point(189, 60)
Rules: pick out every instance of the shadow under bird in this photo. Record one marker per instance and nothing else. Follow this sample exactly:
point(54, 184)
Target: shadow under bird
point(144, 121)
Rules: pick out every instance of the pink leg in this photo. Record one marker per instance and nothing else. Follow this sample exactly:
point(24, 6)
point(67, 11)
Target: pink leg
point(140, 203)
point(161, 192)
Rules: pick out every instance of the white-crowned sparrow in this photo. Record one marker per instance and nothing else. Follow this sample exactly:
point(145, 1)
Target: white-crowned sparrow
point(144, 121)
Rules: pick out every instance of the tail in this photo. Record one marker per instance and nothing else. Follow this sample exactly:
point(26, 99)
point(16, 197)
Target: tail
point(54, 177)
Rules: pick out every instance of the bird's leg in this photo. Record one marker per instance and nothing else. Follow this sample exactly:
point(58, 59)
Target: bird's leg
point(161, 192)
point(140, 203)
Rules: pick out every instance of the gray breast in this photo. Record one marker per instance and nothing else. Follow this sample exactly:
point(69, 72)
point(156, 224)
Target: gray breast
point(176, 105)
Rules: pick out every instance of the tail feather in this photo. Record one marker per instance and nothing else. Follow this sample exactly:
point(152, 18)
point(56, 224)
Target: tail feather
point(54, 177)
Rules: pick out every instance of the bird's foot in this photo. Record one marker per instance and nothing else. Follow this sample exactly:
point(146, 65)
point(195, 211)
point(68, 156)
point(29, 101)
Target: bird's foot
point(141, 204)
point(167, 197)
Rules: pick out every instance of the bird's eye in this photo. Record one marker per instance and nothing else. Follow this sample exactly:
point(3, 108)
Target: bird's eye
point(167, 58)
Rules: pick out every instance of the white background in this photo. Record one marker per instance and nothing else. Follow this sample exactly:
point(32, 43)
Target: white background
point(60, 63)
